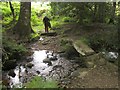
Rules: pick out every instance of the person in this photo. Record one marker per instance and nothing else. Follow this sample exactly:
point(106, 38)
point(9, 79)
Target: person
point(47, 24)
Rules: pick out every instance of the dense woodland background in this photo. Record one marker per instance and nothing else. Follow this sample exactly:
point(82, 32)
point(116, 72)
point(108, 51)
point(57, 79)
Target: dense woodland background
point(22, 23)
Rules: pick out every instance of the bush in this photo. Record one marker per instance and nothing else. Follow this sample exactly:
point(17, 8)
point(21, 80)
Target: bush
point(107, 41)
point(12, 50)
point(67, 19)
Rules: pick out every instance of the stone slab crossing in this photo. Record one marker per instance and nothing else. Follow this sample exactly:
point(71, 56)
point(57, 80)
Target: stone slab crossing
point(83, 48)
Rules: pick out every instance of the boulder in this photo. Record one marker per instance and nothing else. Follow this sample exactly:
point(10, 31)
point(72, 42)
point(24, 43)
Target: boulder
point(83, 48)
point(47, 60)
point(38, 72)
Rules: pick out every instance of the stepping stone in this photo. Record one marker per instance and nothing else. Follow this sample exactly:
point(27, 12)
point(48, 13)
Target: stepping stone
point(49, 34)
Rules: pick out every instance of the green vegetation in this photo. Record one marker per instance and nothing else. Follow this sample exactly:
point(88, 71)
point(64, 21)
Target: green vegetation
point(38, 82)
point(104, 41)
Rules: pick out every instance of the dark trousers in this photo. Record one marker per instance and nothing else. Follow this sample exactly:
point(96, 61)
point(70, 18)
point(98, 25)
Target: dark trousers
point(47, 24)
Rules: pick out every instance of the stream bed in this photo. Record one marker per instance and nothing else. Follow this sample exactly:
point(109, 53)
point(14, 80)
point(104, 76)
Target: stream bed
point(44, 63)
point(47, 64)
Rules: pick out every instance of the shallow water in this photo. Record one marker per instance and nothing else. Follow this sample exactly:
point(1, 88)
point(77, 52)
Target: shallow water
point(60, 68)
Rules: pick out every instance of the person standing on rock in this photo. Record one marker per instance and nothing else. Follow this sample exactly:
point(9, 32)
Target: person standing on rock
point(47, 24)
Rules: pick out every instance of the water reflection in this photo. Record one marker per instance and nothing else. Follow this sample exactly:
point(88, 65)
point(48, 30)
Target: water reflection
point(41, 68)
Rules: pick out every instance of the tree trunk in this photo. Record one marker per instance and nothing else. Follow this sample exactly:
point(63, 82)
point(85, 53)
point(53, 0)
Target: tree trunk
point(12, 10)
point(101, 12)
point(23, 27)
point(112, 13)
point(94, 12)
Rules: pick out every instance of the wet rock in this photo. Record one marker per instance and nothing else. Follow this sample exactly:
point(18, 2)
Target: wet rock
point(29, 65)
point(29, 59)
point(50, 64)
point(54, 58)
point(47, 60)
point(9, 64)
point(11, 73)
point(38, 72)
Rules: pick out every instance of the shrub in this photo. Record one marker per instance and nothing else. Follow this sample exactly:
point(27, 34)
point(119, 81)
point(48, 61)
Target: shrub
point(12, 50)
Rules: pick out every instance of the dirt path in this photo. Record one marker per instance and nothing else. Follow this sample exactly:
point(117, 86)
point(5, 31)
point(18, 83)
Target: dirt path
point(105, 76)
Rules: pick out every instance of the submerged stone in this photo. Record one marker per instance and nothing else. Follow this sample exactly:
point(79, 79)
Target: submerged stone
point(30, 65)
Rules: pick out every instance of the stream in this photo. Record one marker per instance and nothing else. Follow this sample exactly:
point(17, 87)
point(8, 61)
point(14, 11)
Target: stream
point(43, 63)
point(59, 69)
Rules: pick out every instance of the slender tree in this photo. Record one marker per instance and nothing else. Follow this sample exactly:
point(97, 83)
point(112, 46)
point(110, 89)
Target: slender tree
point(12, 10)
point(112, 18)
point(23, 27)
point(101, 12)
point(94, 12)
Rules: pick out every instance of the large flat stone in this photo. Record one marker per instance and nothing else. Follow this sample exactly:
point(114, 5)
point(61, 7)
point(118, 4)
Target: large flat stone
point(83, 48)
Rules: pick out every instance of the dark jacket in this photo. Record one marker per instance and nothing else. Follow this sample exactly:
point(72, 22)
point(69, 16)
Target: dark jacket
point(46, 22)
